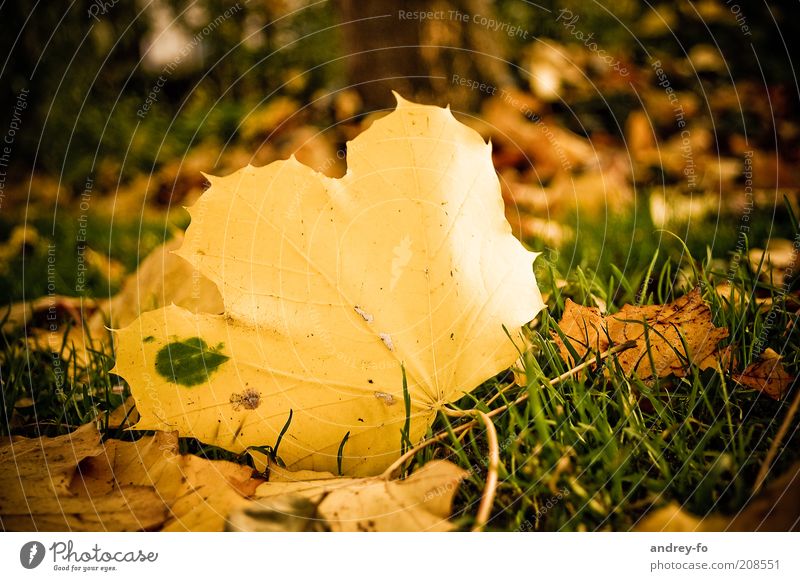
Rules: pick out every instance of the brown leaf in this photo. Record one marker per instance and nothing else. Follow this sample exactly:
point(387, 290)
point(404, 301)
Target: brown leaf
point(774, 262)
point(664, 327)
point(767, 375)
point(308, 500)
point(41, 489)
point(124, 416)
point(75, 483)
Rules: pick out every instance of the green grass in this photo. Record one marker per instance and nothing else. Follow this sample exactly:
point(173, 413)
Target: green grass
point(595, 452)
point(64, 245)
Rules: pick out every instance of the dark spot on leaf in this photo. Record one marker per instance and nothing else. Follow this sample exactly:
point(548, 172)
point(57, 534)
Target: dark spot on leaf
point(149, 339)
point(249, 399)
point(188, 362)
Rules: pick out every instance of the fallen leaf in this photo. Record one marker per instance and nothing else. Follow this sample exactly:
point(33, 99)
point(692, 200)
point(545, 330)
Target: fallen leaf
point(290, 513)
point(422, 502)
point(163, 278)
point(47, 314)
point(766, 375)
point(734, 295)
point(123, 417)
point(43, 465)
point(659, 332)
point(773, 263)
point(776, 509)
point(334, 289)
point(674, 519)
point(75, 483)
point(39, 489)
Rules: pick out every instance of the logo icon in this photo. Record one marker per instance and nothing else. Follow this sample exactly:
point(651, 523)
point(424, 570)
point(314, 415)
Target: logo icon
point(31, 554)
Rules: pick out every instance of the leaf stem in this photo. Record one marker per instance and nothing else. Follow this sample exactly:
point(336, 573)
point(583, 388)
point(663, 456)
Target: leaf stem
point(490, 489)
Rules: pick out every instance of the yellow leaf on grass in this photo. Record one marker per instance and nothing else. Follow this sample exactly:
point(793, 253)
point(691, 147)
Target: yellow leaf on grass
point(667, 337)
point(331, 288)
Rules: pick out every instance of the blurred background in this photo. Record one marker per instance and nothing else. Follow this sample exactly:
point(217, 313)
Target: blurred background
point(611, 122)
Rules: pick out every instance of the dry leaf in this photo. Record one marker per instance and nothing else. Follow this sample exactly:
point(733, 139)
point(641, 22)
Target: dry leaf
point(34, 314)
point(124, 416)
point(774, 262)
point(43, 466)
point(313, 501)
point(75, 483)
point(39, 489)
point(777, 508)
point(766, 375)
point(664, 327)
point(330, 286)
point(733, 295)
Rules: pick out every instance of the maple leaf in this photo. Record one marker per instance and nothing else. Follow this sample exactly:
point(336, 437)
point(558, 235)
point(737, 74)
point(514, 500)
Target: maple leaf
point(334, 292)
point(667, 338)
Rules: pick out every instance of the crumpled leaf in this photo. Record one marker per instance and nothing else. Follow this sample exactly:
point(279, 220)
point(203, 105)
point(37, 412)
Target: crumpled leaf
point(332, 288)
point(39, 489)
point(304, 501)
point(665, 327)
point(43, 466)
point(76, 483)
point(767, 375)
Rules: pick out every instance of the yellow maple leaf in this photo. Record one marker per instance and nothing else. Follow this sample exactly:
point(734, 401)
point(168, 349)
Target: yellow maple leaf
point(323, 314)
